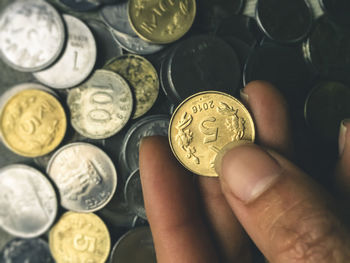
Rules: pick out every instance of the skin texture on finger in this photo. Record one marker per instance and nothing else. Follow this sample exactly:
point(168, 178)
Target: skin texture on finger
point(270, 113)
point(269, 110)
point(173, 209)
point(342, 172)
point(289, 218)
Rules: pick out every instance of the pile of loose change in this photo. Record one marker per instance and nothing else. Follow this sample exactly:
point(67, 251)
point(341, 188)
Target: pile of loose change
point(82, 82)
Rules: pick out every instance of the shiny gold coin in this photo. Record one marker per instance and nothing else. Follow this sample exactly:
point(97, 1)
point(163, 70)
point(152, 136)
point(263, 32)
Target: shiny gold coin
point(203, 124)
point(32, 123)
point(79, 237)
point(161, 21)
point(142, 77)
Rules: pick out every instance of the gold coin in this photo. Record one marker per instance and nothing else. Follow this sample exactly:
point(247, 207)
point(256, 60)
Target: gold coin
point(79, 237)
point(32, 123)
point(203, 124)
point(142, 77)
point(161, 21)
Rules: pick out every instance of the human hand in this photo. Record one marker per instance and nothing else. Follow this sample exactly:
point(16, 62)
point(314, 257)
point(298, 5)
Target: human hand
point(259, 195)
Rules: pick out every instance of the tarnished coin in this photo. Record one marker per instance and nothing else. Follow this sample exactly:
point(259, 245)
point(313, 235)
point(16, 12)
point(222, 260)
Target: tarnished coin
point(203, 124)
point(326, 106)
point(134, 44)
point(80, 237)
point(28, 201)
point(283, 20)
point(161, 22)
point(211, 13)
point(142, 77)
point(135, 246)
point(338, 9)
point(148, 126)
point(32, 123)
point(26, 250)
point(102, 106)
point(107, 49)
point(84, 175)
point(81, 5)
point(31, 35)
point(116, 16)
point(133, 194)
point(202, 63)
point(327, 49)
point(77, 61)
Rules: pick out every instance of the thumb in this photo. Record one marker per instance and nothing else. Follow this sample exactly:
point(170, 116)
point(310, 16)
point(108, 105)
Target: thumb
point(285, 213)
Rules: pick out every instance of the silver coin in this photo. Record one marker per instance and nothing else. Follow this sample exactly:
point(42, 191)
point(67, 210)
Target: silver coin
point(26, 250)
point(135, 246)
point(106, 46)
point(134, 44)
point(84, 175)
point(133, 194)
point(28, 203)
point(149, 126)
point(102, 106)
point(31, 35)
point(116, 16)
point(77, 61)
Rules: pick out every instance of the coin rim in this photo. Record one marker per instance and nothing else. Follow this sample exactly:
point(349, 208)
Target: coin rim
point(49, 186)
point(126, 187)
point(60, 50)
point(115, 175)
point(185, 101)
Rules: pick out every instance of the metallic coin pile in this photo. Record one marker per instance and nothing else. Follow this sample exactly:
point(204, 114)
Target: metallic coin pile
point(83, 81)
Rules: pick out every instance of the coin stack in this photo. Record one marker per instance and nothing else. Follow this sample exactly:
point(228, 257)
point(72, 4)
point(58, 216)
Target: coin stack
point(83, 81)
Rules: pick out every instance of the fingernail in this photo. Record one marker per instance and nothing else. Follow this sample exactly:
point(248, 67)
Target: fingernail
point(248, 171)
point(244, 96)
point(224, 150)
point(342, 136)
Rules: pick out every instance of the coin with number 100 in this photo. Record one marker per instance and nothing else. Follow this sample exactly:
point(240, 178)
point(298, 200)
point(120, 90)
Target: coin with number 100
point(203, 124)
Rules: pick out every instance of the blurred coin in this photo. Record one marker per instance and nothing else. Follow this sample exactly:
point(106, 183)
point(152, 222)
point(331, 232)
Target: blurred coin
point(133, 194)
point(84, 175)
point(242, 49)
point(284, 67)
point(210, 13)
point(102, 106)
point(138, 222)
point(326, 106)
point(202, 63)
point(161, 22)
point(32, 123)
point(134, 44)
point(242, 27)
point(203, 124)
point(81, 5)
point(148, 126)
point(284, 21)
point(31, 35)
point(78, 58)
point(142, 77)
point(27, 200)
point(327, 49)
point(135, 246)
point(106, 46)
point(26, 250)
point(79, 237)
point(339, 10)
point(116, 16)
